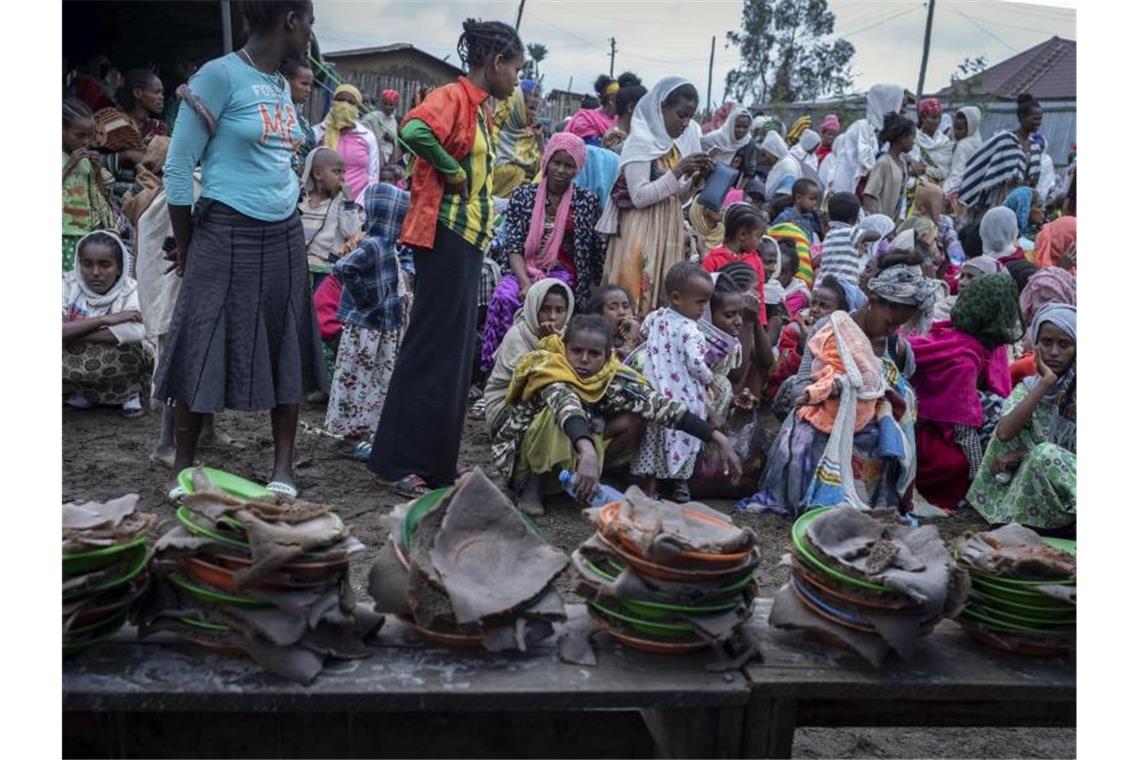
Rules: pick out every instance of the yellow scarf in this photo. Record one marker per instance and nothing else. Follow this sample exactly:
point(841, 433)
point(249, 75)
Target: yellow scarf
point(548, 364)
point(342, 115)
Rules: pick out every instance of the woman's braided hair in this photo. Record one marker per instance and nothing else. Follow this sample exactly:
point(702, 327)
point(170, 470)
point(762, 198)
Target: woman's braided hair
point(481, 41)
point(73, 110)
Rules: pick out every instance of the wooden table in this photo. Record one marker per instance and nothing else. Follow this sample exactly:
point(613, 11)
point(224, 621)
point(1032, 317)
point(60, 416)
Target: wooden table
point(124, 691)
point(951, 681)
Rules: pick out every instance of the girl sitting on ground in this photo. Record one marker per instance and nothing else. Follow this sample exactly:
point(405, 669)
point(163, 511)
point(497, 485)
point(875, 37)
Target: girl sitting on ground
point(613, 303)
point(569, 406)
point(1029, 472)
point(86, 184)
point(755, 344)
point(105, 358)
point(673, 361)
point(548, 304)
point(744, 226)
point(1044, 286)
point(374, 307)
point(328, 216)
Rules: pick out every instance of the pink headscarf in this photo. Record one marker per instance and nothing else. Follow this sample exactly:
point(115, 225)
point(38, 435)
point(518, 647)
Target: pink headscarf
point(539, 262)
point(929, 105)
point(1048, 285)
point(831, 121)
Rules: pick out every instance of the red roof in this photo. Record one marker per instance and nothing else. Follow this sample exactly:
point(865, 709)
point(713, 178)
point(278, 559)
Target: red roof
point(1047, 71)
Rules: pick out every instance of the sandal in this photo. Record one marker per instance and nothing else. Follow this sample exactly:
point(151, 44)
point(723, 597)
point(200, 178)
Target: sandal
point(362, 451)
point(281, 488)
point(681, 493)
point(174, 495)
point(410, 486)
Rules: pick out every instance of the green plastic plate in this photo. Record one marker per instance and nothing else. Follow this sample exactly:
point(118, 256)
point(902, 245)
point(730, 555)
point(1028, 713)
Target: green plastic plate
point(996, 617)
point(213, 627)
point(1031, 616)
point(978, 616)
point(1064, 544)
point(102, 630)
point(659, 610)
point(132, 572)
point(235, 486)
point(615, 568)
point(1021, 595)
point(78, 563)
point(799, 538)
point(214, 596)
point(648, 627)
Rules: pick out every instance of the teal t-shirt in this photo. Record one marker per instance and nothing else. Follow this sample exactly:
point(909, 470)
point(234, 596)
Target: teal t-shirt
point(247, 164)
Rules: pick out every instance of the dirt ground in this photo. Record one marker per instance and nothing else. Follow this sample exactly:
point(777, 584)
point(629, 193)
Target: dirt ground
point(105, 455)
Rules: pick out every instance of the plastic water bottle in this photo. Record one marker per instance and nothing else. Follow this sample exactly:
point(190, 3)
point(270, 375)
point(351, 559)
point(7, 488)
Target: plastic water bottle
point(604, 495)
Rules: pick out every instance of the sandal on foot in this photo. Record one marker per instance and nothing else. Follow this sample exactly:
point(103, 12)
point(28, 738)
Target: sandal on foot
point(281, 488)
point(362, 451)
point(174, 495)
point(410, 486)
point(681, 494)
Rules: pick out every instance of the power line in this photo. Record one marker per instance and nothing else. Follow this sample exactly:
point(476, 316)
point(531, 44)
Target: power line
point(882, 21)
point(878, 16)
point(986, 31)
point(1019, 27)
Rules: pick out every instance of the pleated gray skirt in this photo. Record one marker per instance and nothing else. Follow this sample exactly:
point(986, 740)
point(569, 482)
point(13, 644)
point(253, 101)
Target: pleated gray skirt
point(244, 333)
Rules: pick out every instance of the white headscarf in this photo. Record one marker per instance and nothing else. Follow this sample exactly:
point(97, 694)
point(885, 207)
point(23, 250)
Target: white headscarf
point(998, 231)
point(965, 148)
point(81, 302)
point(786, 167)
point(721, 144)
point(802, 152)
point(648, 140)
point(881, 100)
point(809, 140)
point(774, 144)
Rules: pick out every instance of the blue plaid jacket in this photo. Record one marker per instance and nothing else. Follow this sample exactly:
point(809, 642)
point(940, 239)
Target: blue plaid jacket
point(370, 274)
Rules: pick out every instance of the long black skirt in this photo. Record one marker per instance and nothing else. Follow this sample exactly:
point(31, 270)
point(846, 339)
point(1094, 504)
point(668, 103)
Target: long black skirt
point(422, 422)
point(244, 333)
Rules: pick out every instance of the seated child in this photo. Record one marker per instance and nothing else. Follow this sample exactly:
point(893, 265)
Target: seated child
point(744, 227)
point(755, 342)
point(613, 303)
point(784, 293)
point(105, 357)
point(674, 364)
point(704, 230)
point(830, 294)
point(374, 306)
point(567, 408)
point(804, 211)
point(547, 306)
point(392, 175)
point(328, 216)
point(844, 240)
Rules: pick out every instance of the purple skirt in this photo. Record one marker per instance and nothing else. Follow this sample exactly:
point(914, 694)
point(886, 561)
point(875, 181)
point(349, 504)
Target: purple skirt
point(505, 303)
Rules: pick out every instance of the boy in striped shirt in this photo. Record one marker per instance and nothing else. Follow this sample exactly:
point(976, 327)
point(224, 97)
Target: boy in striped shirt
point(840, 255)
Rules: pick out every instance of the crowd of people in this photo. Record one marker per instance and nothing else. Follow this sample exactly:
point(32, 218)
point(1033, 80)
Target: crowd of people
point(880, 313)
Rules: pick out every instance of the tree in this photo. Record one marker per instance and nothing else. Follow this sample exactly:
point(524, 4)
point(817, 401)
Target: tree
point(969, 68)
point(784, 56)
point(537, 53)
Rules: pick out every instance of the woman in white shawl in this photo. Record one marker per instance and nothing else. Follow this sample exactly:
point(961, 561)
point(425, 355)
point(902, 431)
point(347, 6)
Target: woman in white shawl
point(660, 162)
point(722, 143)
point(967, 121)
point(856, 150)
point(998, 231)
point(932, 147)
point(785, 169)
point(804, 152)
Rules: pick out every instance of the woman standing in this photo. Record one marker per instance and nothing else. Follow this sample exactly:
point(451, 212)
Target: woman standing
point(932, 149)
point(722, 144)
point(967, 140)
point(643, 215)
point(1008, 160)
point(828, 131)
point(1029, 473)
point(548, 233)
point(625, 100)
point(857, 148)
point(300, 78)
point(591, 123)
point(519, 139)
point(783, 169)
point(243, 335)
point(448, 228)
point(343, 131)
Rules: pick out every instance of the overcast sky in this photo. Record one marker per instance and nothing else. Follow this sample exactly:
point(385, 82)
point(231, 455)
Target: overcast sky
point(656, 38)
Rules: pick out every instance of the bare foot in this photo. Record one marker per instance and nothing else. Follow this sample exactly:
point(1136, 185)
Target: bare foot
point(211, 436)
point(530, 502)
point(164, 455)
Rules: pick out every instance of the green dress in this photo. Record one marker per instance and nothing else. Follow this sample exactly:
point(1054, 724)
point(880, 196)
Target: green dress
point(1043, 491)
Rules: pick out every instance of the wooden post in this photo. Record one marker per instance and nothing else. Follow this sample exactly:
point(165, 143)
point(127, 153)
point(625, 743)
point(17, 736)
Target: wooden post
point(518, 19)
point(227, 28)
point(613, 50)
point(708, 94)
point(925, 46)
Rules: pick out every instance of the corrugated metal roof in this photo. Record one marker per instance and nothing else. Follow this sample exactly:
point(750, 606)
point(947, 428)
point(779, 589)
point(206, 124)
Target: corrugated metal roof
point(397, 47)
point(1047, 71)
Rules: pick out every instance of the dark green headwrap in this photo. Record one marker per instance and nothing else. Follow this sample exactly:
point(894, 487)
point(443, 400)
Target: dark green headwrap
point(987, 309)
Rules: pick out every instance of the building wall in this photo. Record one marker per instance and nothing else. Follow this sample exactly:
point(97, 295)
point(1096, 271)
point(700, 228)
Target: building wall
point(403, 71)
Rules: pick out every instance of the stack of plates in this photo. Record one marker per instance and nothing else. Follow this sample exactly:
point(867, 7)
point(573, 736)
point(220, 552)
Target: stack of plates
point(842, 597)
point(205, 582)
point(661, 621)
point(1013, 615)
point(117, 577)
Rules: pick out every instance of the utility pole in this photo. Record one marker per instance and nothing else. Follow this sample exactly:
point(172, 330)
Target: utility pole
point(708, 94)
point(570, 87)
point(613, 50)
point(227, 28)
point(925, 46)
point(518, 19)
